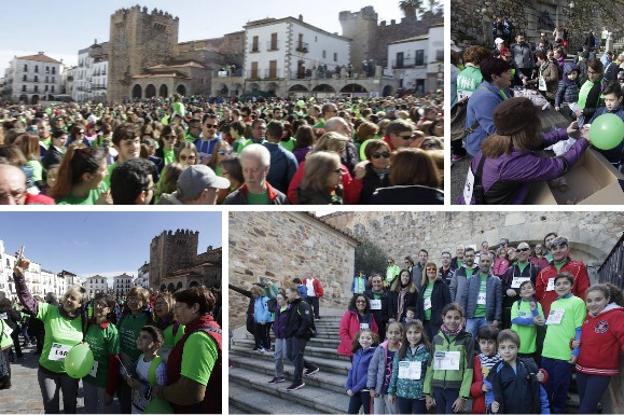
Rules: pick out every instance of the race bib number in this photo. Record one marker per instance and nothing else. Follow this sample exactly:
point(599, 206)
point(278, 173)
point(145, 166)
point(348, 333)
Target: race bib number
point(551, 284)
point(364, 326)
point(555, 317)
point(94, 369)
point(469, 187)
point(427, 303)
point(375, 304)
point(446, 360)
point(410, 370)
point(58, 351)
point(542, 84)
point(481, 298)
point(517, 281)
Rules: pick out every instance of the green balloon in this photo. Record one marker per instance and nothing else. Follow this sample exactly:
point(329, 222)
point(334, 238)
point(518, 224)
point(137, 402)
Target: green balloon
point(158, 406)
point(79, 361)
point(606, 131)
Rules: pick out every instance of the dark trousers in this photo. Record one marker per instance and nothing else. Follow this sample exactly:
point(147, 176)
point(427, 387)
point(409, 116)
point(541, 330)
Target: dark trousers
point(16, 342)
point(261, 335)
point(457, 148)
point(52, 385)
point(314, 303)
point(431, 329)
point(411, 406)
point(591, 388)
point(560, 376)
point(444, 399)
point(296, 348)
point(124, 393)
point(506, 320)
point(529, 356)
point(358, 400)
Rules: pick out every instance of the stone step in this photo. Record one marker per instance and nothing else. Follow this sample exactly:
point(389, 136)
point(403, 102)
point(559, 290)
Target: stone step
point(248, 401)
point(326, 380)
point(329, 342)
point(325, 352)
point(340, 367)
point(318, 399)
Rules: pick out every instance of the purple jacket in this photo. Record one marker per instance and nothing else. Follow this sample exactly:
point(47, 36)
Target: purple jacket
point(281, 320)
point(507, 178)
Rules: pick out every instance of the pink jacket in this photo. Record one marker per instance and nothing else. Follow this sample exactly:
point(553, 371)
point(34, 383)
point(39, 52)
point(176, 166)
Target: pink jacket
point(501, 265)
point(349, 327)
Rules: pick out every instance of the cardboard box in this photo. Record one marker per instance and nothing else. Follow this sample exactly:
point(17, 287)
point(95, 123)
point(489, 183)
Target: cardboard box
point(592, 181)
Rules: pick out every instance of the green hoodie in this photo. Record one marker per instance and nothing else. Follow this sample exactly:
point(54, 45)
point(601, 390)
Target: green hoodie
point(451, 379)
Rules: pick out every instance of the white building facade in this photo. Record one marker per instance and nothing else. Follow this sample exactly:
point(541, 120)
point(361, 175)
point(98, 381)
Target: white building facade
point(142, 279)
point(418, 61)
point(96, 284)
point(91, 75)
point(33, 78)
point(122, 284)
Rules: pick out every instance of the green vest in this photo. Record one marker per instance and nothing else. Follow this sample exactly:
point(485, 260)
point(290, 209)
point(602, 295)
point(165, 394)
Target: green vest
point(5, 335)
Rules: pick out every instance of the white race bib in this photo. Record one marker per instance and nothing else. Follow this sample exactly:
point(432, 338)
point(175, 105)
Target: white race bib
point(4, 316)
point(551, 284)
point(410, 370)
point(446, 360)
point(517, 281)
point(427, 303)
point(94, 369)
point(58, 351)
point(555, 317)
point(469, 187)
point(542, 84)
point(364, 326)
point(481, 298)
point(375, 304)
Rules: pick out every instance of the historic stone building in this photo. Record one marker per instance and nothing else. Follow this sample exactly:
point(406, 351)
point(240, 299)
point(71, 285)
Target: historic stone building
point(174, 262)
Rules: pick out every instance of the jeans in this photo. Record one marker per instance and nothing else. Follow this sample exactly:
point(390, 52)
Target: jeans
point(51, 384)
point(560, 376)
point(358, 400)
point(382, 405)
point(314, 303)
point(93, 398)
point(281, 352)
point(473, 325)
point(444, 399)
point(411, 406)
point(591, 388)
point(296, 347)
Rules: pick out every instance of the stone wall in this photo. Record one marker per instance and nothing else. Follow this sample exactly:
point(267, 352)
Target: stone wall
point(285, 245)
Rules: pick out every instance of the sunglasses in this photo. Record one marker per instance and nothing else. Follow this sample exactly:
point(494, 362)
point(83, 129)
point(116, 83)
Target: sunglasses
point(408, 137)
point(169, 137)
point(211, 126)
point(385, 155)
point(522, 250)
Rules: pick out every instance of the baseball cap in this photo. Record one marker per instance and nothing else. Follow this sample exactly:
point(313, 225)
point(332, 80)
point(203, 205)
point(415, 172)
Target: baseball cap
point(559, 241)
point(498, 40)
point(194, 179)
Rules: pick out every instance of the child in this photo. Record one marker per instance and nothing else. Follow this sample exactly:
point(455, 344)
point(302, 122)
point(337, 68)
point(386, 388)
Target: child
point(380, 369)
point(563, 325)
point(150, 369)
point(613, 97)
point(526, 314)
point(568, 91)
point(408, 370)
point(410, 315)
point(483, 362)
point(359, 283)
point(363, 351)
point(449, 375)
point(602, 340)
point(262, 319)
point(279, 328)
point(515, 385)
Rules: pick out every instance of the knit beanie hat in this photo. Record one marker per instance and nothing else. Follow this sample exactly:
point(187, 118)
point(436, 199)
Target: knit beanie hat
point(514, 115)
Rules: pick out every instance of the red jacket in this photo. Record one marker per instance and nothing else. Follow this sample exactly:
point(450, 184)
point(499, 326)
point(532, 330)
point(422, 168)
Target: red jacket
point(602, 341)
point(476, 391)
point(349, 328)
point(38, 199)
point(575, 268)
point(352, 188)
point(318, 289)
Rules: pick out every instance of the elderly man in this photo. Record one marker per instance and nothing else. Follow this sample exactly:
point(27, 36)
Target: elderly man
point(256, 161)
point(197, 185)
point(13, 188)
point(522, 270)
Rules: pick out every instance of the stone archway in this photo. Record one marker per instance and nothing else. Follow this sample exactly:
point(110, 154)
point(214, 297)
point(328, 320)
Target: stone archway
point(237, 89)
point(388, 91)
point(150, 91)
point(181, 90)
point(223, 91)
point(34, 99)
point(179, 286)
point(193, 284)
point(254, 87)
point(272, 88)
point(164, 91)
point(324, 88)
point(23, 98)
point(137, 92)
point(298, 88)
point(171, 287)
point(353, 89)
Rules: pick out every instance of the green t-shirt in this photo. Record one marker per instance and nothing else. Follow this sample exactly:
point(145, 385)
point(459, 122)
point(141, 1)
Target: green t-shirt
point(391, 272)
point(107, 179)
point(5, 337)
point(90, 199)
point(61, 334)
point(46, 143)
point(129, 328)
point(169, 156)
point(179, 109)
point(258, 199)
point(527, 334)
point(560, 265)
point(199, 356)
point(103, 342)
point(468, 81)
point(169, 339)
point(584, 93)
point(289, 145)
point(558, 336)
point(469, 271)
point(480, 310)
point(37, 170)
point(522, 266)
point(427, 299)
point(319, 124)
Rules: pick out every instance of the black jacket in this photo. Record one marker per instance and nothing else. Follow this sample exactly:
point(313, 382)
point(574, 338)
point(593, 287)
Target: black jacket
point(411, 300)
point(517, 392)
point(300, 320)
point(372, 182)
point(407, 195)
point(530, 271)
point(440, 297)
point(381, 316)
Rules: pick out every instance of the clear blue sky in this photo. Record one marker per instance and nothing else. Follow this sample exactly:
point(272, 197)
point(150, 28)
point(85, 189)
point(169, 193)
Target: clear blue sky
point(99, 242)
point(62, 28)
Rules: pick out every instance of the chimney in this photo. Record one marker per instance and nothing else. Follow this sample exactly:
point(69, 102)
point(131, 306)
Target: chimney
point(301, 17)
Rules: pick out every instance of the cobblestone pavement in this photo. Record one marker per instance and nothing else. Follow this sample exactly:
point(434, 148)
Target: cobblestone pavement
point(24, 395)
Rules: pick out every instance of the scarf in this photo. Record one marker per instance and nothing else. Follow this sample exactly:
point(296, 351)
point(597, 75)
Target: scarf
point(402, 294)
point(448, 332)
point(489, 361)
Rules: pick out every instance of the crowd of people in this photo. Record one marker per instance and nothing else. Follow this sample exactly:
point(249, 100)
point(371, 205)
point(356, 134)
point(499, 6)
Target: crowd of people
point(498, 92)
point(185, 151)
point(158, 352)
point(485, 331)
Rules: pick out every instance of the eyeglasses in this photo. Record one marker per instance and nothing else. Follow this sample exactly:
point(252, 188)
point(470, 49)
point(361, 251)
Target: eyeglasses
point(408, 137)
point(184, 158)
point(170, 138)
point(81, 132)
point(213, 126)
point(385, 155)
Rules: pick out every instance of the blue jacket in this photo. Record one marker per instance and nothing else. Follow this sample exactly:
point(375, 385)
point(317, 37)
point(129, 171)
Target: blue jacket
point(480, 108)
point(262, 314)
point(283, 166)
point(568, 90)
point(303, 291)
point(358, 374)
point(377, 368)
point(493, 297)
point(354, 284)
point(517, 391)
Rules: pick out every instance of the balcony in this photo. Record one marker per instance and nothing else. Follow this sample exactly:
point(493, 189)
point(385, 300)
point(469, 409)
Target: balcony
point(272, 46)
point(263, 75)
point(302, 47)
point(408, 63)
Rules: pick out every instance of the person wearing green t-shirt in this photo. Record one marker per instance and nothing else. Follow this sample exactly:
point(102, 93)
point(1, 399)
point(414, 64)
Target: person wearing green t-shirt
point(392, 271)
point(172, 330)
point(167, 143)
point(80, 178)
point(564, 322)
point(526, 315)
point(103, 340)
point(469, 79)
point(484, 299)
point(63, 326)
point(127, 142)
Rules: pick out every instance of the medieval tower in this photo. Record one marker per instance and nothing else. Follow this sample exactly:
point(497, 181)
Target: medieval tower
point(138, 40)
point(361, 27)
point(170, 251)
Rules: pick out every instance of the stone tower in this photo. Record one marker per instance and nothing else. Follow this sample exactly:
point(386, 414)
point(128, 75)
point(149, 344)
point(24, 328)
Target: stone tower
point(170, 251)
point(362, 28)
point(138, 39)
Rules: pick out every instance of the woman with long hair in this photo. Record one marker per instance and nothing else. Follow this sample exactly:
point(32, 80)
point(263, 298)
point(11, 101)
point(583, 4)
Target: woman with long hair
point(322, 180)
point(403, 294)
point(79, 180)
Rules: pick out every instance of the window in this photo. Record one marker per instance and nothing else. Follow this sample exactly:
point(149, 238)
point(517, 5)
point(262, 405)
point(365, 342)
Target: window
point(335, 57)
point(52, 89)
point(36, 68)
point(254, 45)
point(53, 70)
point(47, 69)
point(23, 90)
point(36, 78)
point(36, 88)
point(419, 58)
point(24, 78)
point(46, 89)
point(324, 54)
point(273, 41)
point(47, 80)
point(53, 80)
point(25, 68)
